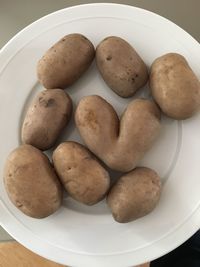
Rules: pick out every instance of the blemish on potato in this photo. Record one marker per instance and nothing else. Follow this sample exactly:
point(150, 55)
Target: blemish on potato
point(109, 57)
point(50, 102)
point(91, 119)
point(19, 204)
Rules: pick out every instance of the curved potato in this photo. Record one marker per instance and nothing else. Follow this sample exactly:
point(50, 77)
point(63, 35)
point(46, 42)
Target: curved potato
point(47, 116)
point(31, 182)
point(120, 66)
point(65, 61)
point(134, 195)
point(174, 86)
point(81, 174)
point(121, 145)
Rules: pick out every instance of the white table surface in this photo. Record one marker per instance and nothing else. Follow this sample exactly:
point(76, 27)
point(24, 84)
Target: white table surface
point(16, 14)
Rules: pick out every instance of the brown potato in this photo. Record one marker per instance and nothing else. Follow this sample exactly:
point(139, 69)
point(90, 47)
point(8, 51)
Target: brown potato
point(134, 195)
point(31, 182)
point(121, 145)
point(81, 174)
point(47, 116)
point(174, 86)
point(65, 62)
point(120, 66)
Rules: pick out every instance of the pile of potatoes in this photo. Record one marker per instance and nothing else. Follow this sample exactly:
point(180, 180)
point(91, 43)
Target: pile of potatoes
point(35, 185)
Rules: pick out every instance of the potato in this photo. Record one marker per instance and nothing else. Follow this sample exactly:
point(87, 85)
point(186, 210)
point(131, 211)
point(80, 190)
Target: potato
point(134, 195)
point(47, 116)
point(120, 66)
point(65, 61)
point(174, 86)
point(81, 174)
point(121, 145)
point(31, 182)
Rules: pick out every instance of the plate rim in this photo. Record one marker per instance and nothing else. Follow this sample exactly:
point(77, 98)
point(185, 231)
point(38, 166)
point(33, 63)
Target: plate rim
point(52, 253)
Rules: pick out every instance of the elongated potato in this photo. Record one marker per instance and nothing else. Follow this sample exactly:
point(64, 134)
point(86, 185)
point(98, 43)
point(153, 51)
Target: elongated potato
point(121, 145)
point(47, 116)
point(81, 174)
point(31, 182)
point(120, 66)
point(134, 195)
point(65, 61)
point(174, 86)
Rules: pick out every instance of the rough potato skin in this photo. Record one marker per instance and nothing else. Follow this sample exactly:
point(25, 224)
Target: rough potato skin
point(31, 183)
point(174, 86)
point(65, 61)
point(120, 66)
point(81, 174)
point(134, 195)
point(121, 145)
point(45, 119)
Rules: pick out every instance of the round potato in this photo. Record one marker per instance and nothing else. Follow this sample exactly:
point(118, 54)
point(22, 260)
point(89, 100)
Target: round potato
point(121, 145)
point(120, 66)
point(47, 116)
point(31, 182)
point(81, 174)
point(134, 195)
point(65, 61)
point(174, 86)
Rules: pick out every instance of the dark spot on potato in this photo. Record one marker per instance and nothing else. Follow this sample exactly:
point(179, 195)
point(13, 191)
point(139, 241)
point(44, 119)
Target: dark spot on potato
point(109, 57)
point(90, 119)
point(133, 80)
point(46, 103)
point(50, 102)
point(55, 51)
point(69, 168)
point(10, 175)
point(136, 75)
point(63, 39)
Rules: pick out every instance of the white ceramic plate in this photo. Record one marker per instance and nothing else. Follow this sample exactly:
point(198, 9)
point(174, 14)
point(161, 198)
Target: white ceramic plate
point(88, 236)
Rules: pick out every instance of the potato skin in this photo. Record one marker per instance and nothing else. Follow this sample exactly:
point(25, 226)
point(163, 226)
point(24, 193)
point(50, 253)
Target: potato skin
point(45, 119)
point(80, 173)
point(120, 66)
point(134, 195)
point(65, 61)
point(31, 182)
point(120, 145)
point(174, 86)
